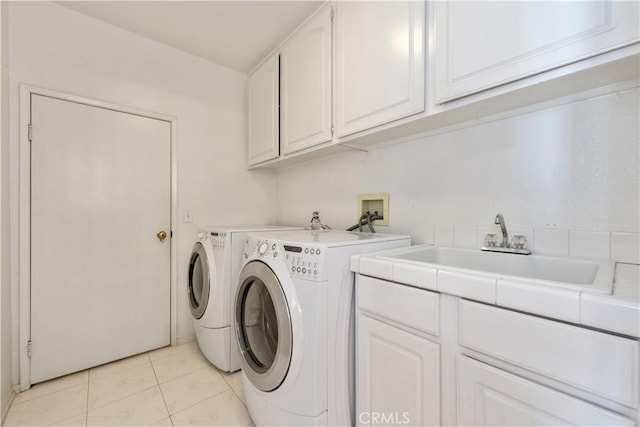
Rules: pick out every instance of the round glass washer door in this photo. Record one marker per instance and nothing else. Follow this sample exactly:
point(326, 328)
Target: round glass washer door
point(198, 281)
point(263, 326)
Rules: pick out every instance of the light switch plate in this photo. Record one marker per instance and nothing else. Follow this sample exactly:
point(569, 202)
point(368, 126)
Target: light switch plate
point(375, 202)
point(187, 218)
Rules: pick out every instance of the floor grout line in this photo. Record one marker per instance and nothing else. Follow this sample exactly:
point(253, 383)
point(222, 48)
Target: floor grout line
point(228, 375)
point(14, 403)
point(203, 400)
point(122, 398)
point(90, 376)
point(121, 369)
point(171, 349)
point(164, 400)
point(240, 399)
point(47, 423)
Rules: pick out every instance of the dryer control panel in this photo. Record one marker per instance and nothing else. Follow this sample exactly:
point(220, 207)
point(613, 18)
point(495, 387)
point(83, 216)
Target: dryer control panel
point(217, 239)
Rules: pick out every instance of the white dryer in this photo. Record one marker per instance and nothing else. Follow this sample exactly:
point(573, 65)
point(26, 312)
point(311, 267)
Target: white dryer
point(294, 324)
point(213, 270)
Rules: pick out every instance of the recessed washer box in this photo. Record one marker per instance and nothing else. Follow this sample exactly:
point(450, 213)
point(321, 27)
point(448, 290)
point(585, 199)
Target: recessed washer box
point(375, 202)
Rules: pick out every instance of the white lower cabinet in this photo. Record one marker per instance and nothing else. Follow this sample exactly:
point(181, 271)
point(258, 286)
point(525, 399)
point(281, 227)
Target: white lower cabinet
point(602, 364)
point(398, 376)
point(428, 358)
point(491, 397)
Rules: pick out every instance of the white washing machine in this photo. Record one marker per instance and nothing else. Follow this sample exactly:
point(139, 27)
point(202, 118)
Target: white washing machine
point(213, 270)
point(294, 324)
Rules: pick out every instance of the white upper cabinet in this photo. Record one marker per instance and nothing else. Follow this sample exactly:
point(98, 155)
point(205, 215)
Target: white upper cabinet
point(380, 60)
point(367, 76)
point(480, 45)
point(305, 91)
point(263, 112)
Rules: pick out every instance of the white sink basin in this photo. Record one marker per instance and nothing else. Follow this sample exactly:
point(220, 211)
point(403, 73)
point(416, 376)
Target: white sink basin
point(584, 275)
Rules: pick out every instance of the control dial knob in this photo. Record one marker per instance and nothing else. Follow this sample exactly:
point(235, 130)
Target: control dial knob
point(262, 248)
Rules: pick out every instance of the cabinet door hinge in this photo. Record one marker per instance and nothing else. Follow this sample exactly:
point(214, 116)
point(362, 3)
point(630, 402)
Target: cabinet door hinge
point(29, 349)
point(30, 132)
point(331, 14)
point(331, 131)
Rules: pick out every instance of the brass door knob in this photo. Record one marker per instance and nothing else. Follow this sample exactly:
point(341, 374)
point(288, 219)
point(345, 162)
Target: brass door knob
point(161, 235)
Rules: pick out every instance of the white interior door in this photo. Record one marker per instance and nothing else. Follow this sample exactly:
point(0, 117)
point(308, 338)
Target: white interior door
point(100, 276)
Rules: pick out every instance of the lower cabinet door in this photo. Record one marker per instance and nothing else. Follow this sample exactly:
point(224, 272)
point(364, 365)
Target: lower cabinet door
point(488, 396)
point(397, 376)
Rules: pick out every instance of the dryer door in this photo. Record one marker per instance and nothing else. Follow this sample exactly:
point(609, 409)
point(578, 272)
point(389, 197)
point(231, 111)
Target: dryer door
point(198, 281)
point(263, 326)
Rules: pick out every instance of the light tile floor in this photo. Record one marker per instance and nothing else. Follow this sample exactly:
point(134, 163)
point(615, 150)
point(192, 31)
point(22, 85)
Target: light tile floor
point(171, 386)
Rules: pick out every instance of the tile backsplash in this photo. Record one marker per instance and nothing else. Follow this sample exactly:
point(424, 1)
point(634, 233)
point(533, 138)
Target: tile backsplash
point(550, 241)
point(616, 246)
point(625, 247)
point(443, 235)
point(464, 237)
point(567, 176)
point(587, 244)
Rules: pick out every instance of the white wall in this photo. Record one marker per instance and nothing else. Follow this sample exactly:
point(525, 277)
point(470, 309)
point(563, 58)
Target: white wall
point(5, 276)
point(55, 48)
point(571, 167)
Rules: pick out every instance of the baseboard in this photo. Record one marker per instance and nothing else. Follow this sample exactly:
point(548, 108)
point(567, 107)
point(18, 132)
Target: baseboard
point(186, 339)
point(5, 408)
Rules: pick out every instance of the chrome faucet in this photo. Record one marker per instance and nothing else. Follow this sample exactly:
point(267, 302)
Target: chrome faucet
point(503, 227)
point(519, 245)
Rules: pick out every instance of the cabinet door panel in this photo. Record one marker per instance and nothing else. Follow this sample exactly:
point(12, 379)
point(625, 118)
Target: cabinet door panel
point(566, 353)
point(380, 63)
point(264, 89)
point(479, 45)
point(305, 64)
point(397, 376)
point(413, 307)
point(491, 397)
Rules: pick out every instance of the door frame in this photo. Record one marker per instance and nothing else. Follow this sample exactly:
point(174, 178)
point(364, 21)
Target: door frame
point(24, 234)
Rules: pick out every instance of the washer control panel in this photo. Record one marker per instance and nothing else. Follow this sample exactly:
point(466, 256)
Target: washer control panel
point(304, 262)
point(263, 247)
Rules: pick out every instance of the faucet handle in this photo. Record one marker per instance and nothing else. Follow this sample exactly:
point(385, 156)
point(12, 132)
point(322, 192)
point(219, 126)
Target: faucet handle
point(519, 242)
point(491, 240)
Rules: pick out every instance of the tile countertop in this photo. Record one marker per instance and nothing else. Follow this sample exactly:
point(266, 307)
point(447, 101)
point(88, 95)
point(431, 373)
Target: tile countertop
point(618, 312)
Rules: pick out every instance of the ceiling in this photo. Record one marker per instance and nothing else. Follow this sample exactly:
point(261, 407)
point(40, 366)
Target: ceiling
point(236, 34)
